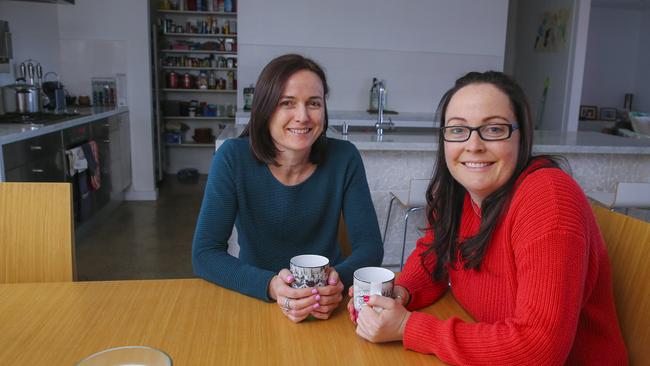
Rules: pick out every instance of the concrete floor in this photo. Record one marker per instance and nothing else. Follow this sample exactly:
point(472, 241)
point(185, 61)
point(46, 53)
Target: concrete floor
point(143, 239)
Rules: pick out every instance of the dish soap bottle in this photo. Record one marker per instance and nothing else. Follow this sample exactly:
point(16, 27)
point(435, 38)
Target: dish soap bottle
point(373, 105)
point(248, 97)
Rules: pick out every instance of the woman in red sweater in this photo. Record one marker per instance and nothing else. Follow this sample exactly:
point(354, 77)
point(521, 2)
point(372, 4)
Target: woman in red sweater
point(513, 237)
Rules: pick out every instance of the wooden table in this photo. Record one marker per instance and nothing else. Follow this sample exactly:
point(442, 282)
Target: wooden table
point(195, 322)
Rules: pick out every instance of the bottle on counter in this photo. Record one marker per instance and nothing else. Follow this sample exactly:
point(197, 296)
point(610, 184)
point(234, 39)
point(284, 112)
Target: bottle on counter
point(374, 96)
point(248, 97)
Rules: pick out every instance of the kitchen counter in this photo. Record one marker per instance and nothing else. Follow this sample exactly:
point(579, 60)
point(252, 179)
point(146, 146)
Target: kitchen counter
point(16, 132)
point(546, 142)
point(363, 118)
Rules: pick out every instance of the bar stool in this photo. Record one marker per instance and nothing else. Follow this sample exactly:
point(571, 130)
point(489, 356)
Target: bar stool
point(626, 195)
point(411, 201)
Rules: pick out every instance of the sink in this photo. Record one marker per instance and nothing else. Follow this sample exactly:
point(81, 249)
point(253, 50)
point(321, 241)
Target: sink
point(393, 131)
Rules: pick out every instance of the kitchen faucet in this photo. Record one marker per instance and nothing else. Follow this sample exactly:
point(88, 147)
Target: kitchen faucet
point(381, 95)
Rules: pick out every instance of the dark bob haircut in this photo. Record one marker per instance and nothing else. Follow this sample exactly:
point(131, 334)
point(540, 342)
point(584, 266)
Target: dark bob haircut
point(268, 92)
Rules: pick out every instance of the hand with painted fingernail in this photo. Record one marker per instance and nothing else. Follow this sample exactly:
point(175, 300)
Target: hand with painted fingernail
point(351, 310)
point(385, 326)
point(296, 304)
point(329, 297)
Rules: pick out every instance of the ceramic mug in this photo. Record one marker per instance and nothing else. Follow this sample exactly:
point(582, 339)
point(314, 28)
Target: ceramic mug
point(309, 270)
point(372, 281)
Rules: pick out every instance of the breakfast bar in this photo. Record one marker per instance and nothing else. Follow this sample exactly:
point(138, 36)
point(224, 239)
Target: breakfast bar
point(597, 162)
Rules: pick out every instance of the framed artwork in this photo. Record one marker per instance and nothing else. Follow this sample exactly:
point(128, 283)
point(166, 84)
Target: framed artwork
point(608, 114)
point(589, 112)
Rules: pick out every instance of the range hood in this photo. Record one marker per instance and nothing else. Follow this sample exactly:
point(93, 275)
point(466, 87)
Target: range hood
point(50, 1)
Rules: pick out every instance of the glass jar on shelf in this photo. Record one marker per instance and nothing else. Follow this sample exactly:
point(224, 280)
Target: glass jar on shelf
point(203, 80)
point(212, 81)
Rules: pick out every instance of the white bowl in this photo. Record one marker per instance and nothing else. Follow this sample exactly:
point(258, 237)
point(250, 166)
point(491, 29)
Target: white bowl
point(128, 356)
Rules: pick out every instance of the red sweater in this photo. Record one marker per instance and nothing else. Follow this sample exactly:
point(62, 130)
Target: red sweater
point(543, 294)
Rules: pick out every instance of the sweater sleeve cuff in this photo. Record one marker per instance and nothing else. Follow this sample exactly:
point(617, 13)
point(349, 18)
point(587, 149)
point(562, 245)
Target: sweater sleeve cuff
point(422, 333)
point(263, 286)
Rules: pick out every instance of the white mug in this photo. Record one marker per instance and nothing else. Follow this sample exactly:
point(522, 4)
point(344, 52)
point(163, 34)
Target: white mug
point(309, 270)
point(372, 281)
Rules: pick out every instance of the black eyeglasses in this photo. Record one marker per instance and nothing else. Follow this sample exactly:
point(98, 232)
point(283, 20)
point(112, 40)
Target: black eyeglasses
point(489, 132)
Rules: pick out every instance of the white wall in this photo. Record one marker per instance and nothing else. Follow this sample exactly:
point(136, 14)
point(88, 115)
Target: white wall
point(564, 67)
point(93, 38)
point(34, 29)
point(100, 38)
point(419, 46)
point(642, 94)
point(613, 56)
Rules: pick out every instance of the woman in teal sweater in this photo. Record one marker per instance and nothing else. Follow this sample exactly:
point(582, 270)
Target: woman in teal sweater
point(283, 184)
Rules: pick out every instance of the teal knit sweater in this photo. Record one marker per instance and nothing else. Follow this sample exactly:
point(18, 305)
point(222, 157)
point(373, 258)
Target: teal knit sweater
point(276, 222)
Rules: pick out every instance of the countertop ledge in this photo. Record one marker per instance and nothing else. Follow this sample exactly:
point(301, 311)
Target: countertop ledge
point(545, 142)
point(16, 132)
point(363, 118)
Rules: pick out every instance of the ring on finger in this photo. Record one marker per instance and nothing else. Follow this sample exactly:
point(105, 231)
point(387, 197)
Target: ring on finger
point(287, 303)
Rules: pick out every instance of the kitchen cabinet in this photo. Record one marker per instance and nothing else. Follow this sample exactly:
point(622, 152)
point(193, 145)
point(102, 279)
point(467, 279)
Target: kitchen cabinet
point(47, 169)
point(38, 155)
point(196, 69)
point(38, 159)
point(120, 153)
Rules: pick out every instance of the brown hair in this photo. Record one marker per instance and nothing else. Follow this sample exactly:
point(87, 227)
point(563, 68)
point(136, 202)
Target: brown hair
point(268, 91)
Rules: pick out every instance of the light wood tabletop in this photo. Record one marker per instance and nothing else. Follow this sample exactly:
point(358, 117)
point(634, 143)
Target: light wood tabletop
point(195, 322)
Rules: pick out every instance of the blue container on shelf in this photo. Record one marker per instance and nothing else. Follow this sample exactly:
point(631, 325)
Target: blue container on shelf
point(211, 110)
point(173, 138)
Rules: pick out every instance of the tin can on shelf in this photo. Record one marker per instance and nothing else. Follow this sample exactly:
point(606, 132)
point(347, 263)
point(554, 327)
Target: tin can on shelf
point(187, 81)
point(172, 80)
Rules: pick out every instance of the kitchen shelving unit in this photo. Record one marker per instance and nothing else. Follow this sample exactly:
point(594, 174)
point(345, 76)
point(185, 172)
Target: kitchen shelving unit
point(191, 42)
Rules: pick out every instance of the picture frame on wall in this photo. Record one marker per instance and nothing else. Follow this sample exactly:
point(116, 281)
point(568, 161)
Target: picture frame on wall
point(588, 112)
point(608, 114)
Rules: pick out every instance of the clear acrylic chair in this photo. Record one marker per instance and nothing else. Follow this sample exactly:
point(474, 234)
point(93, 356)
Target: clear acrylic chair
point(411, 201)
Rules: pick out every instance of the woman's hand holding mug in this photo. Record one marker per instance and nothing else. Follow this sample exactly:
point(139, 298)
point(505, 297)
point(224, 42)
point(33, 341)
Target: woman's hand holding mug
point(330, 296)
point(296, 303)
point(385, 326)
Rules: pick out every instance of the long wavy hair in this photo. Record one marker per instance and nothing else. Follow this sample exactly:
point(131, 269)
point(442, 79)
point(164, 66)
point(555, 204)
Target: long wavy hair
point(445, 196)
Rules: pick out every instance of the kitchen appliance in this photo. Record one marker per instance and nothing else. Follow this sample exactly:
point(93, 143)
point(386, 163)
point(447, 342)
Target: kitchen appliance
point(6, 52)
point(55, 93)
point(26, 92)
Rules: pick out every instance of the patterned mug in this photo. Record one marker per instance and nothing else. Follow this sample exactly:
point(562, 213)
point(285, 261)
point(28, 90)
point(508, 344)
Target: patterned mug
point(309, 270)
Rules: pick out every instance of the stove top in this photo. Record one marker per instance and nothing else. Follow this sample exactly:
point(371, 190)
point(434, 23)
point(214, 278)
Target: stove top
point(36, 118)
